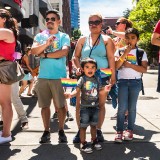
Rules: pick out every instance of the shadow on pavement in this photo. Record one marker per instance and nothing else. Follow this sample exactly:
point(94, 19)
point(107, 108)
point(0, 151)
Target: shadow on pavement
point(53, 152)
point(31, 102)
point(7, 152)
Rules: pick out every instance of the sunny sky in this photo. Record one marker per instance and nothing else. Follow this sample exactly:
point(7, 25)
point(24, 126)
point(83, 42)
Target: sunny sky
point(107, 8)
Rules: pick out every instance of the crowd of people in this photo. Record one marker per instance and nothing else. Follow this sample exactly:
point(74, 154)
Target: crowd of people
point(92, 53)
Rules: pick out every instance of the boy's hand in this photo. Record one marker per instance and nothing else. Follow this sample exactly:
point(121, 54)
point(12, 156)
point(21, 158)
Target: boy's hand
point(108, 87)
point(67, 95)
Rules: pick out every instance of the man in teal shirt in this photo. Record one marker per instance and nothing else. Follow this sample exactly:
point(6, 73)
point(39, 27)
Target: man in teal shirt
point(53, 47)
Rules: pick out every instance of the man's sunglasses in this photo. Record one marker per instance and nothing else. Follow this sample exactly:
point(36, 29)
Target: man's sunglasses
point(97, 22)
point(117, 23)
point(52, 19)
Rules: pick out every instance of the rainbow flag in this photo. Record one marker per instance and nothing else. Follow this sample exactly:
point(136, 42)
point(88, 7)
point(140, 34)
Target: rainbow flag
point(106, 72)
point(66, 82)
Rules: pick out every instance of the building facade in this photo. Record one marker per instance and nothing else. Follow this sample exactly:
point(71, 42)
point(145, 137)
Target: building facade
point(75, 15)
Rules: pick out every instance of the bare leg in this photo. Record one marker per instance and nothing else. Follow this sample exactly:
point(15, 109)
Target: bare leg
point(93, 132)
point(61, 117)
point(24, 85)
point(102, 110)
point(7, 112)
point(30, 86)
point(45, 112)
point(83, 134)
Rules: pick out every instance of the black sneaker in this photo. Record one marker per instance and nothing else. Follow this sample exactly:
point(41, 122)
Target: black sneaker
point(76, 139)
point(86, 148)
point(55, 115)
point(100, 137)
point(96, 145)
point(45, 137)
point(69, 116)
point(62, 136)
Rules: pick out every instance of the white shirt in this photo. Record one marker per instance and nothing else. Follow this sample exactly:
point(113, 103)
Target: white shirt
point(129, 73)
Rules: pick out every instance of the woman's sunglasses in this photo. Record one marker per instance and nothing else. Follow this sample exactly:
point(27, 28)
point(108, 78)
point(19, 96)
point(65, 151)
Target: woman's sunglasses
point(52, 19)
point(117, 23)
point(97, 22)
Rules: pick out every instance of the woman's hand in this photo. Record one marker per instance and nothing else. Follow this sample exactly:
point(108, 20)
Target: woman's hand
point(78, 71)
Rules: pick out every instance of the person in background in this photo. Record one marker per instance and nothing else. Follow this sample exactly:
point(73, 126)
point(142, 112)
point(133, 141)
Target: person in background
point(53, 47)
point(119, 41)
point(17, 103)
point(155, 40)
point(29, 74)
point(8, 37)
point(89, 86)
point(101, 48)
point(129, 83)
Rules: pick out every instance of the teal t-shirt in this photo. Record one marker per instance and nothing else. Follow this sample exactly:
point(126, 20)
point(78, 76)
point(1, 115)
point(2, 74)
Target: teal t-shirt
point(53, 68)
point(98, 53)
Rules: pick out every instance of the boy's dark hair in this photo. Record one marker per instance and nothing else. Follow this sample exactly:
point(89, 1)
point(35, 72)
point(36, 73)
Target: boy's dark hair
point(88, 60)
point(132, 31)
point(54, 11)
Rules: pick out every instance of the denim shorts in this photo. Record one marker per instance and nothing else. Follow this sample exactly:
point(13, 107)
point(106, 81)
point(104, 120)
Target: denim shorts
point(88, 116)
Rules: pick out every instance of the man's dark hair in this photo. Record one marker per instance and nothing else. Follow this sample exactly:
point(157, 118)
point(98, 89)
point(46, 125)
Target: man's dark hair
point(54, 12)
point(132, 31)
point(88, 60)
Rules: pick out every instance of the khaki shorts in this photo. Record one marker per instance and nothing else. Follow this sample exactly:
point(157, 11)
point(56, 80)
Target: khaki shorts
point(47, 89)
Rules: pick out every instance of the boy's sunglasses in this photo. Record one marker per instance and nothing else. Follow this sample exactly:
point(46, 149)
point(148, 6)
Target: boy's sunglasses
point(52, 19)
point(117, 23)
point(97, 22)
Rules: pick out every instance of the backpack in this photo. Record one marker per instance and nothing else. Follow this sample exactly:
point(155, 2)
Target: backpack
point(139, 55)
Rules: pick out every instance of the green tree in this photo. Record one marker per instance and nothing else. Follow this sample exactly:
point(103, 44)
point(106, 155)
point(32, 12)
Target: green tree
point(144, 16)
point(76, 33)
point(126, 13)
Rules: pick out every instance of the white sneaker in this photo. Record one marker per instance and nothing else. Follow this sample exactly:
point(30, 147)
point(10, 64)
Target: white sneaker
point(5, 139)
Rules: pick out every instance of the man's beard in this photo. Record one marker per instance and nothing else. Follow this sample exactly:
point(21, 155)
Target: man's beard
point(50, 26)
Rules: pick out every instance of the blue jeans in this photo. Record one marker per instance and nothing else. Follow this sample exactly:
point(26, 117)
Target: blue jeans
point(88, 116)
point(128, 91)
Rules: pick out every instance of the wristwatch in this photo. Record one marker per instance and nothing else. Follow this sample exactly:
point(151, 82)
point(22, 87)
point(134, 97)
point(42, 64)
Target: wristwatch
point(45, 55)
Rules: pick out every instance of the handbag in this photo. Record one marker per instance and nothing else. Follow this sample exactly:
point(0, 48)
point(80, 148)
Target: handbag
point(10, 72)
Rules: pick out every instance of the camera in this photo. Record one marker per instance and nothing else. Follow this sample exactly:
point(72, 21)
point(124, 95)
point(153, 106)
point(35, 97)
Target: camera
point(104, 30)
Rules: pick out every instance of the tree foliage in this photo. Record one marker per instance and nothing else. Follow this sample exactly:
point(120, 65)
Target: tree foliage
point(144, 16)
point(76, 33)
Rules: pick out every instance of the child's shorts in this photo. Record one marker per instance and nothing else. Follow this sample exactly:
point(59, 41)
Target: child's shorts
point(88, 116)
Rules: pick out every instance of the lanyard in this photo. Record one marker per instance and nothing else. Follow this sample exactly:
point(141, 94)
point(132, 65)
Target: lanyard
point(93, 44)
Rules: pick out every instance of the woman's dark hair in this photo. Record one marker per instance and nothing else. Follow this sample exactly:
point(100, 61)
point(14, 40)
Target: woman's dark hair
point(132, 31)
point(9, 23)
point(27, 49)
point(125, 21)
point(88, 60)
point(54, 12)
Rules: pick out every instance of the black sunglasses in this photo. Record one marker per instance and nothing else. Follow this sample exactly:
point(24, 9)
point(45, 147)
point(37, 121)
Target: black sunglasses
point(97, 22)
point(117, 23)
point(52, 19)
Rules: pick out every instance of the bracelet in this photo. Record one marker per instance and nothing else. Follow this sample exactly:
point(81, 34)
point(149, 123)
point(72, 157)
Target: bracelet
point(45, 55)
point(121, 59)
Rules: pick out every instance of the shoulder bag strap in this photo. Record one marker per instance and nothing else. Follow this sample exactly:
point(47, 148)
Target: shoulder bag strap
point(94, 45)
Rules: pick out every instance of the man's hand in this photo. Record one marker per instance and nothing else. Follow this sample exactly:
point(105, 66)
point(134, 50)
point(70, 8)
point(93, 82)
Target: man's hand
point(50, 40)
